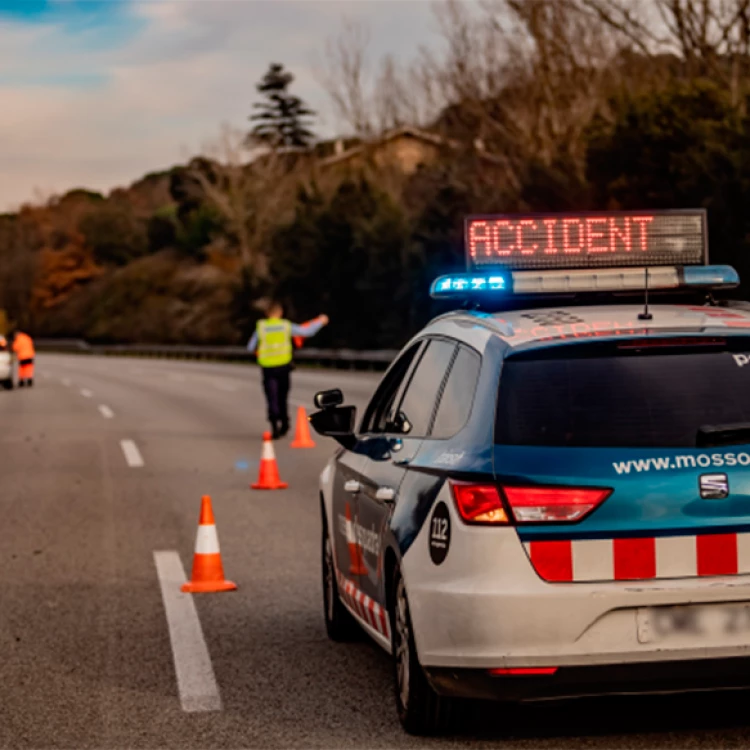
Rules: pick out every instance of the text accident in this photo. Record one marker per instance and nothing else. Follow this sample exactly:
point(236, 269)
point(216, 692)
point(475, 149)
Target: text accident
point(500, 475)
point(554, 241)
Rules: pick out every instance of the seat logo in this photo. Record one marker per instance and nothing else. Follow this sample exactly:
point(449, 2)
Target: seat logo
point(713, 486)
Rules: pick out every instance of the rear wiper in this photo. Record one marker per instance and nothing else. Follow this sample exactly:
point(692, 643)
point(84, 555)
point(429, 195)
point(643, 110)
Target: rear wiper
point(711, 435)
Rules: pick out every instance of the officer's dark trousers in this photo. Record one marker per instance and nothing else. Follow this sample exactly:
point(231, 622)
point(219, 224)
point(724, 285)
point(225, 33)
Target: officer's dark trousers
point(276, 387)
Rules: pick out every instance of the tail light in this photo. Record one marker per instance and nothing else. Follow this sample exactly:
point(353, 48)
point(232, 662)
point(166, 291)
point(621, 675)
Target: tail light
point(482, 504)
point(479, 503)
point(553, 504)
point(524, 671)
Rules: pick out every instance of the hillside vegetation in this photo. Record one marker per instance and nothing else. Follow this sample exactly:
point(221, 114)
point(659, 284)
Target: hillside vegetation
point(542, 105)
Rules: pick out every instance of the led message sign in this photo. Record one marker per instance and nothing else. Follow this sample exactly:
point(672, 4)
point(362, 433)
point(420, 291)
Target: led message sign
point(587, 240)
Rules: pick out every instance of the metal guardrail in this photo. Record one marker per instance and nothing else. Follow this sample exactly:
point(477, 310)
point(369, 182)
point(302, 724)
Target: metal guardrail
point(335, 358)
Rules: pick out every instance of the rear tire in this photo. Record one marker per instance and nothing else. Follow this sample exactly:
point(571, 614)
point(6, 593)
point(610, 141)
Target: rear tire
point(340, 625)
point(421, 710)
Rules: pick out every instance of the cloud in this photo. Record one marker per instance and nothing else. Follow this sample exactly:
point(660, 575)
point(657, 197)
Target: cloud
point(97, 98)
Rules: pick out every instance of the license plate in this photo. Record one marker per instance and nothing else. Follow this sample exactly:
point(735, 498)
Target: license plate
point(694, 621)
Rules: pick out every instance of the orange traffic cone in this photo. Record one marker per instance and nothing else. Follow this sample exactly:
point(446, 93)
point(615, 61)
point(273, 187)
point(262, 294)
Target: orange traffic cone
point(268, 476)
point(208, 572)
point(302, 437)
point(357, 567)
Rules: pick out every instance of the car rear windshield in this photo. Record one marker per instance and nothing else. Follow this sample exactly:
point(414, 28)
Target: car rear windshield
point(614, 395)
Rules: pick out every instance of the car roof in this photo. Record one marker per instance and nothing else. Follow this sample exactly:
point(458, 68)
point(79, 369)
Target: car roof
point(541, 326)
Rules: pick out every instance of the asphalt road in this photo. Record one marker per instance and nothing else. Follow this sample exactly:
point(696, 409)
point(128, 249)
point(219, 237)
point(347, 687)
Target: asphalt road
point(86, 658)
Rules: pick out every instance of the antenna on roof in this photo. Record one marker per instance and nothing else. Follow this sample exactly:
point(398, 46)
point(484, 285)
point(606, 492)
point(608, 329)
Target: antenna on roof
point(646, 315)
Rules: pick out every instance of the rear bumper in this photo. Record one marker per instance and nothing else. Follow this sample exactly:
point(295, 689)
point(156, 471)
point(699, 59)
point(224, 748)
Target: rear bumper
point(485, 607)
point(576, 682)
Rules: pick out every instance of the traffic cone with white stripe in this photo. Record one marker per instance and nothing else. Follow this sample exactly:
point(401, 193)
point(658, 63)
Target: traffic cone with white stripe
point(268, 475)
point(302, 437)
point(208, 571)
point(357, 567)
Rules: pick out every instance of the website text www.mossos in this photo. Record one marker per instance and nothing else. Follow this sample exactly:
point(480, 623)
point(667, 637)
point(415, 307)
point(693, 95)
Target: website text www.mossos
point(671, 463)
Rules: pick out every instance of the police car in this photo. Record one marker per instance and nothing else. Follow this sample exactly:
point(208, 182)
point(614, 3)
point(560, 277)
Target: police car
point(549, 493)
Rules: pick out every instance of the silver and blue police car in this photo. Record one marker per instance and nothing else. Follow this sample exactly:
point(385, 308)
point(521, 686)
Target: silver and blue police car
point(549, 492)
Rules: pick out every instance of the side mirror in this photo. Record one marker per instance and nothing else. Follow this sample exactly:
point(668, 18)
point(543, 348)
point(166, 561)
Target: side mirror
point(336, 422)
point(329, 399)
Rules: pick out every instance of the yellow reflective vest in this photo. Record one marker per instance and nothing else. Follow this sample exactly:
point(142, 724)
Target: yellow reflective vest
point(274, 342)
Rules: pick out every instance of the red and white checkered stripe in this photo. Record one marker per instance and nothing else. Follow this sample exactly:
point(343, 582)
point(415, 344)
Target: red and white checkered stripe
point(642, 558)
point(366, 609)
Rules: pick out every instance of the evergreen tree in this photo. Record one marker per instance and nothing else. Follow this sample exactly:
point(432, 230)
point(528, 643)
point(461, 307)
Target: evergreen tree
point(282, 119)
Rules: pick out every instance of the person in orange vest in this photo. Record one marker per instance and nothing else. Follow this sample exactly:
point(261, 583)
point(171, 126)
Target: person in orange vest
point(23, 347)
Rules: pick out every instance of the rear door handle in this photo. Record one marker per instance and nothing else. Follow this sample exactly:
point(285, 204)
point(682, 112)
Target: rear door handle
point(386, 494)
point(352, 485)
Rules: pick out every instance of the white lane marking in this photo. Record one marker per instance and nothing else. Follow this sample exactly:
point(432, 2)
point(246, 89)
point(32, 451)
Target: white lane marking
point(132, 454)
point(66, 382)
point(196, 681)
point(106, 412)
point(86, 393)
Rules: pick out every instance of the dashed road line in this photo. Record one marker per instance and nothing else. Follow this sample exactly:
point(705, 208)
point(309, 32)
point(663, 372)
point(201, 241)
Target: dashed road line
point(86, 393)
point(196, 682)
point(105, 411)
point(131, 452)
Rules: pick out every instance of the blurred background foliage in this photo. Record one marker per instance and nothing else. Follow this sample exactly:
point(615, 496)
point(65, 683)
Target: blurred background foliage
point(545, 105)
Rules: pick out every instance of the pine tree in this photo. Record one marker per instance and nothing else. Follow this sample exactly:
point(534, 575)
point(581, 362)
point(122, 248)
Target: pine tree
point(282, 119)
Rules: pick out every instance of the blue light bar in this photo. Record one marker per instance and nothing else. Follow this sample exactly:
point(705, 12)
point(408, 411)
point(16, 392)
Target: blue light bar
point(540, 283)
point(463, 284)
point(711, 277)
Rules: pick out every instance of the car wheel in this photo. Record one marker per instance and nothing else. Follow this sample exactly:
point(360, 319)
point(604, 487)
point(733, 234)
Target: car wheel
point(8, 384)
point(340, 625)
point(420, 709)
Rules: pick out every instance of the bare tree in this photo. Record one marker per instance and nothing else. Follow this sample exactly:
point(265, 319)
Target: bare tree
point(248, 190)
point(372, 97)
point(710, 37)
point(344, 75)
point(525, 76)
point(568, 70)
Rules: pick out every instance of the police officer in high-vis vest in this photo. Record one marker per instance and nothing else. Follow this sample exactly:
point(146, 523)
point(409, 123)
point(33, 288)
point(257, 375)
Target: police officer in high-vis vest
point(272, 342)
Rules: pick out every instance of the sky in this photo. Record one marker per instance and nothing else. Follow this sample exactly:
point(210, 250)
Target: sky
point(96, 93)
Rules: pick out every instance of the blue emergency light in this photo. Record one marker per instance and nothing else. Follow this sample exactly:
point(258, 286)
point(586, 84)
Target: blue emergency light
point(614, 251)
point(469, 283)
